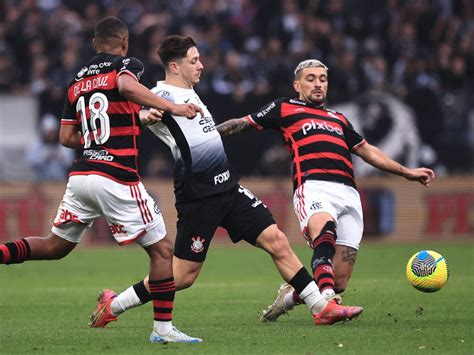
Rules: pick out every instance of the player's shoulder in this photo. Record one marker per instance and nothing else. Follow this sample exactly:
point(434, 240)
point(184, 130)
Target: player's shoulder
point(336, 114)
point(164, 91)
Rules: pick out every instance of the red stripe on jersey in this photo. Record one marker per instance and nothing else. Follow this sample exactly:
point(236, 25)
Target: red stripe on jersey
point(326, 155)
point(95, 82)
point(122, 107)
point(108, 176)
point(296, 153)
point(322, 138)
point(144, 205)
point(122, 152)
point(124, 131)
point(135, 190)
point(323, 171)
point(252, 122)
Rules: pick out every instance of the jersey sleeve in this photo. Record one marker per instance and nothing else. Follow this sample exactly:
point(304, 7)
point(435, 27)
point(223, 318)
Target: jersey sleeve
point(353, 139)
point(69, 116)
point(131, 66)
point(268, 117)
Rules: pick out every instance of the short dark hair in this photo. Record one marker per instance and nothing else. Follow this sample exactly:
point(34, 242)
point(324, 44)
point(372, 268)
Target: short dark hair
point(110, 27)
point(175, 47)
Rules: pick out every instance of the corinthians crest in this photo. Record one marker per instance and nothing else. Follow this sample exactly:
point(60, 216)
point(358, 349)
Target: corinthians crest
point(198, 244)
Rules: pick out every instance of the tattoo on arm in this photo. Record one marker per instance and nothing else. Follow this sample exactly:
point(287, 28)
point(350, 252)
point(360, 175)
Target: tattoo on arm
point(233, 126)
point(349, 255)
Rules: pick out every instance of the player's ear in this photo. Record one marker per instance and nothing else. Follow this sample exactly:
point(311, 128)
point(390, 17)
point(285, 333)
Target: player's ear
point(94, 43)
point(297, 86)
point(125, 44)
point(173, 67)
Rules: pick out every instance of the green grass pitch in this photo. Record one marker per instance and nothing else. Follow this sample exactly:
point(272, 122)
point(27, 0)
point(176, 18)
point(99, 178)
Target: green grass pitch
point(44, 306)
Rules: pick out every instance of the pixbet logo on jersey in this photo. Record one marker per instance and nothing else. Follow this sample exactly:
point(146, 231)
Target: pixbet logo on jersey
point(308, 126)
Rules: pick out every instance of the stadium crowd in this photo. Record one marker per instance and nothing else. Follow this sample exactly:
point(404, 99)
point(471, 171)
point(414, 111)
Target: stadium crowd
point(419, 51)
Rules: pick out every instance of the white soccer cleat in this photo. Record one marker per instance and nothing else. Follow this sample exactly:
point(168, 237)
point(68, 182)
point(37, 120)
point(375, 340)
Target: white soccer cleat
point(278, 307)
point(174, 336)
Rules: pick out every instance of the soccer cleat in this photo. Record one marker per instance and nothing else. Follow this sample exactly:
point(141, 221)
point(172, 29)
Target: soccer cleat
point(174, 336)
point(103, 315)
point(333, 298)
point(336, 313)
point(278, 307)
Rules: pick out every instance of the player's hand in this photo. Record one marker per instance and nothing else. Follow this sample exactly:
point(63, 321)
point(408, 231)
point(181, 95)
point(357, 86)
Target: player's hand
point(151, 116)
point(423, 175)
point(187, 110)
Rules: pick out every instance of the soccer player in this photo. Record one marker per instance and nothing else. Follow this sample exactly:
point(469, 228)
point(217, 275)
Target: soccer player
point(325, 197)
point(101, 115)
point(208, 195)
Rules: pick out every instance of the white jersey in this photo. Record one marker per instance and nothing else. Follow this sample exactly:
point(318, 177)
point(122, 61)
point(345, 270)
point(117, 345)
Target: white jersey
point(202, 167)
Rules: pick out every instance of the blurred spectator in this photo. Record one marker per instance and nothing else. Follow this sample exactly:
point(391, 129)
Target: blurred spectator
point(47, 157)
point(420, 51)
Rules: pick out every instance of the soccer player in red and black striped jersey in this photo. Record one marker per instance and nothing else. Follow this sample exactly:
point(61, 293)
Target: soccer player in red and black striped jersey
point(101, 116)
point(326, 200)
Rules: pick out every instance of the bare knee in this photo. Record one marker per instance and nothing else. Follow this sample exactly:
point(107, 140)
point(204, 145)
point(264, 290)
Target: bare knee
point(55, 248)
point(276, 243)
point(161, 250)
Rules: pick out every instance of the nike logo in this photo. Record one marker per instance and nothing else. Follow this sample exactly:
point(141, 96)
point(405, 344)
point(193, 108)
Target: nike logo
point(186, 101)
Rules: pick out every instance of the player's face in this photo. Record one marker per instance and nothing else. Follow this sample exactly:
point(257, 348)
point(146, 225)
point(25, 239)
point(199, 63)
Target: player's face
point(191, 67)
point(312, 85)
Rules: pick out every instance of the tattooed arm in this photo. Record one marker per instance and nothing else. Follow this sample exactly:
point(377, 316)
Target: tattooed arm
point(233, 126)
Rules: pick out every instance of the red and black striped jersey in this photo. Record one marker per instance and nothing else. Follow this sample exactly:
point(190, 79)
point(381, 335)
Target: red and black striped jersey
point(320, 141)
point(109, 123)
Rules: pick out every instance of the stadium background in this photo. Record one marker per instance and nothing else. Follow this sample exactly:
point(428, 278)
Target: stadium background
point(401, 71)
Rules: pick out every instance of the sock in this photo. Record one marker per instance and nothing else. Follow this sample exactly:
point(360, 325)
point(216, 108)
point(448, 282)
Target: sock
point(133, 296)
point(162, 295)
point(306, 288)
point(14, 252)
point(324, 248)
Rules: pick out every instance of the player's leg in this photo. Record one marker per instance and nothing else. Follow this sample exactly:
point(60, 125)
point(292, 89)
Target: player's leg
point(344, 261)
point(72, 218)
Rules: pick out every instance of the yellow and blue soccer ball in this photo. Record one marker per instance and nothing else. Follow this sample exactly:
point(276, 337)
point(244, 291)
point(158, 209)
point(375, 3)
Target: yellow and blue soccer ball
point(427, 271)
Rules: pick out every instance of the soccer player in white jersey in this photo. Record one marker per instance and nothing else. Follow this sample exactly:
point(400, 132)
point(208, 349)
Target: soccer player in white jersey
point(208, 195)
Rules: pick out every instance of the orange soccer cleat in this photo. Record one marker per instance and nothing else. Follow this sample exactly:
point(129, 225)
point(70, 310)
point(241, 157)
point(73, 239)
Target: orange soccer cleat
point(103, 315)
point(336, 313)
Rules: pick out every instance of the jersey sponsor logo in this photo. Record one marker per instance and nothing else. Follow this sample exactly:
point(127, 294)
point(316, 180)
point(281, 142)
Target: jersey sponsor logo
point(266, 110)
point(117, 229)
point(308, 126)
point(222, 177)
point(187, 100)
point(298, 102)
point(207, 124)
point(67, 216)
point(81, 73)
point(97, 155)
point(198, 244)
point(90, 84)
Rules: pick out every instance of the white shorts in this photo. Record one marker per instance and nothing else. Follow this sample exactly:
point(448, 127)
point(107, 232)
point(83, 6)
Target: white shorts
point(342, 202)
point(130, 212)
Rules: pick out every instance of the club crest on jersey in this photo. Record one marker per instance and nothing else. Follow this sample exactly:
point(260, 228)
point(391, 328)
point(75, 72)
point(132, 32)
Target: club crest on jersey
point(198, 244)
point(316, 206)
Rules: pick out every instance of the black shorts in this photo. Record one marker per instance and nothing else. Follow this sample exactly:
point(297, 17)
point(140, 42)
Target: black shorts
point(242, 214)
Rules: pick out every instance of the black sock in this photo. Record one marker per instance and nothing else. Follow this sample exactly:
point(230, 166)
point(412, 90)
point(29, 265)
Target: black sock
point(14, 252)
point(142, 292)
point(301, 280)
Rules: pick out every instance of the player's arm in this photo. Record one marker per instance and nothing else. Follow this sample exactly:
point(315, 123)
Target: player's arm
point(375, 157)
point(70, 137)
point(132, 90)
point(233, 126)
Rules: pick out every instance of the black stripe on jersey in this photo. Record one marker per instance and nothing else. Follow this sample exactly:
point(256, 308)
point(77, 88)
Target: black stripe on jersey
point(91, 166)
point(288, 121)
point(325, 163)
point(325, 147)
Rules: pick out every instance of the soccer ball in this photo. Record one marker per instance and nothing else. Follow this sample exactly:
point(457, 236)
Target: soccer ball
point(427, 271)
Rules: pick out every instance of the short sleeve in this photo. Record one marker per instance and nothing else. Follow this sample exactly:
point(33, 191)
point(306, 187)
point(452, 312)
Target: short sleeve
point(268, 117)
point(131, 66)
point(69, 116)
point(353, 139)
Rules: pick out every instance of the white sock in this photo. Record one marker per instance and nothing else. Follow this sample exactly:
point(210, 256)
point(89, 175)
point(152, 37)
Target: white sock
point(328, 292)
point(162, 328)
point(125, 300)
point(313, 298)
